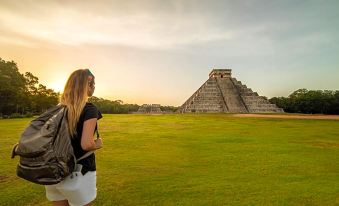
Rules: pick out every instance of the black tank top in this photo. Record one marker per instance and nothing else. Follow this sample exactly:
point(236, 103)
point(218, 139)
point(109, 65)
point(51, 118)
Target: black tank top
point(88, 164)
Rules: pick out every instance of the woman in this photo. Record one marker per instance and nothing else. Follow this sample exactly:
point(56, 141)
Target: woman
point(82, 120)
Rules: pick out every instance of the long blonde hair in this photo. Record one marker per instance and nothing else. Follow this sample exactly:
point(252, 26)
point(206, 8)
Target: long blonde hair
point(75, 96)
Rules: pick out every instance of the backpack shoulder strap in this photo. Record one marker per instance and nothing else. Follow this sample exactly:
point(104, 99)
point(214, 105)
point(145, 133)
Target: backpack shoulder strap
point(96, 130)
point(85, 155)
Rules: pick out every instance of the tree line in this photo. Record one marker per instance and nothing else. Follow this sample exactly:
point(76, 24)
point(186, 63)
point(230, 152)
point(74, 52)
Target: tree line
point(309, 102)
point(22, 95)
point(113, 107)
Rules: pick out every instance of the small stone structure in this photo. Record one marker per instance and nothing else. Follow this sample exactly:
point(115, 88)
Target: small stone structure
point(222, 93)
point(149, 109)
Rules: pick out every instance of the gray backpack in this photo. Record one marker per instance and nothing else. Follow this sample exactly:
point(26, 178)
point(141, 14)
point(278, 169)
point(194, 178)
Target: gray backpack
point(45, 149)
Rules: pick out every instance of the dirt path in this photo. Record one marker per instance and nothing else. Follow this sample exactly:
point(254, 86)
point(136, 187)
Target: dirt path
point(290, 116)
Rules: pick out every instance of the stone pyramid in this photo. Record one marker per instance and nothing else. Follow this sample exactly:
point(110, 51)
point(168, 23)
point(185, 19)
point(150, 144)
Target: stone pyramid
point(222, 93)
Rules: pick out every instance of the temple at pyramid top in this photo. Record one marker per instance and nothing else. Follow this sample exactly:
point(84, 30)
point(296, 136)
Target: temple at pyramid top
point(223, 93)
point(221, 73)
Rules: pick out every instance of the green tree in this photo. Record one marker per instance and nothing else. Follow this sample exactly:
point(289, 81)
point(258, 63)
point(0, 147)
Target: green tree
point(113, 107)
point(12, 87)
point(309, 102)
point(22, 93)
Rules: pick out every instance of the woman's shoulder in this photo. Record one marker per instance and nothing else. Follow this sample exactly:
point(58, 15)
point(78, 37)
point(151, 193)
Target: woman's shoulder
point(90, 110)
point(90, 105)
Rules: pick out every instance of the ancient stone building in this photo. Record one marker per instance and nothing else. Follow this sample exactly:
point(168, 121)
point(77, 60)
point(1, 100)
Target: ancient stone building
point(223, 93)
point(149, 108)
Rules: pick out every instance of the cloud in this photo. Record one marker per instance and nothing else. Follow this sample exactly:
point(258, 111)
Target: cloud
point(158, 25)
point(60, 24)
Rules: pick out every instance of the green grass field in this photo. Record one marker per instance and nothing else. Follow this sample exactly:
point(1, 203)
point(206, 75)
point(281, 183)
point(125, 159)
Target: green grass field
point(207, 159)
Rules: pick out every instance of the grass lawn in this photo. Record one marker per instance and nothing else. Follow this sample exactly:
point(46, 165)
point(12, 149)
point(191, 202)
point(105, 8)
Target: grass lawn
point(206, 159)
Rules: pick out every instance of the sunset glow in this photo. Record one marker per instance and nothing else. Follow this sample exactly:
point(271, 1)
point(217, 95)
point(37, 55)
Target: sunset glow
point(162, 51)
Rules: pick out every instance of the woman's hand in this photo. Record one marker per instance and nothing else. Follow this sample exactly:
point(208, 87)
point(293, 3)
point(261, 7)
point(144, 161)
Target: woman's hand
point(98, 143)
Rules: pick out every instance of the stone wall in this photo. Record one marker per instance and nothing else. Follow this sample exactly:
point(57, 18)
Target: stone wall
point(149, 108)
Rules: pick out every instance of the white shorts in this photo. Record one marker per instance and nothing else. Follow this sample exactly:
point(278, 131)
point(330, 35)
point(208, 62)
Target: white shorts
point(81, 192)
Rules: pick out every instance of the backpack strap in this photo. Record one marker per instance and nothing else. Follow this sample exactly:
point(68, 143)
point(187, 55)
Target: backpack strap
point(14, 150)
point(85, 155)
point(96, 130)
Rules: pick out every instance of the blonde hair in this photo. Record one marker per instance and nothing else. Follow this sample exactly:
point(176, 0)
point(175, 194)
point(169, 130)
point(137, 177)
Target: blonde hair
point(75, 96)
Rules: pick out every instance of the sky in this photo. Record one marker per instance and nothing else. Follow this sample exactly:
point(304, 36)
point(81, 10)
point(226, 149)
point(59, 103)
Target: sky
point(162, 51)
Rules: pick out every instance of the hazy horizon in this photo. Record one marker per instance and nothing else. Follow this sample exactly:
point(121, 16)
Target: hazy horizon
point(162, 51)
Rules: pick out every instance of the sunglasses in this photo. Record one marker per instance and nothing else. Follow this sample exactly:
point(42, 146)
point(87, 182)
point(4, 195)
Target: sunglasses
point(91, 83)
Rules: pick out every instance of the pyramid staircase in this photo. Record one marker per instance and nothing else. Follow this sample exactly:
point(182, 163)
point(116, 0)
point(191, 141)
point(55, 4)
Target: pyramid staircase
point(222, 93)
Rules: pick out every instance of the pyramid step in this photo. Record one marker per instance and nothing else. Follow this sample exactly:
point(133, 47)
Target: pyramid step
point(231, 95)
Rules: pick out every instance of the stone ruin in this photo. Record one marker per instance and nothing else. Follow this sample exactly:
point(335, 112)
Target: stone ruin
point(149, 109)
point(223, 93)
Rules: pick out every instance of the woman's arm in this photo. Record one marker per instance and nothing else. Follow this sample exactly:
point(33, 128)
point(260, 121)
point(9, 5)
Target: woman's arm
point(87, 141)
